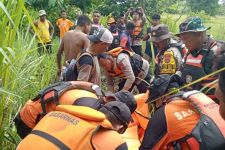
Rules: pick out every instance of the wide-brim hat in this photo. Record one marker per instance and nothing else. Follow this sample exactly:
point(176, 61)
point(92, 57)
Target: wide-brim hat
point(162, 84)
point(192, 24)
point(160, 32)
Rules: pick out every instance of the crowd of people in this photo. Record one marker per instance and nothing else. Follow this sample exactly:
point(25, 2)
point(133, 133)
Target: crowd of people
point(185, 93)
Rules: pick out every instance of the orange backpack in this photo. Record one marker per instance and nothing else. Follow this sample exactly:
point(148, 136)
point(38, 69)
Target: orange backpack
point(68, 128)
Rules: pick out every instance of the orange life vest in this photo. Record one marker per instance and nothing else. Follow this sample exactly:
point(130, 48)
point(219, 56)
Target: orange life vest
point(193, 69)
point(209, 127)
point(117, 72)
point(194, 61)
point(102, 139)
point(33, 109)
point(181, 118)
point(68, 128)
point(135, 132)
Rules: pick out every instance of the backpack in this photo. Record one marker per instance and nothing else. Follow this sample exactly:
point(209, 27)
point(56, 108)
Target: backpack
point(209, 133)
point(53, 92)
point(71, 71)
point(136, 63)
point(116, 40)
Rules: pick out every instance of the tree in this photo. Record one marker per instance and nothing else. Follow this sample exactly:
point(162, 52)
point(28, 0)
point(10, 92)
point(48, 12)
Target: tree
point(209, 6)
point(115, 7)
point(86, 6)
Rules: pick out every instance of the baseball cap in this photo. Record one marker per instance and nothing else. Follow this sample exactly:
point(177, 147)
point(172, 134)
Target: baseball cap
point(101, 35)
point(192, 24)
point(162, 84)
point(160, 32)
point(127, 98)
point(42, 13)
point(119, 110)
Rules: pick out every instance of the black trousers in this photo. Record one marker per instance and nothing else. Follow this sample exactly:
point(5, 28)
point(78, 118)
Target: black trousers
point(142, 87)
point(137, 49)
point(47, 46)
point(22, 129)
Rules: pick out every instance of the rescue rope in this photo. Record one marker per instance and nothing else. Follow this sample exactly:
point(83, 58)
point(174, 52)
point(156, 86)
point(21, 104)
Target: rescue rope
point(212, 85)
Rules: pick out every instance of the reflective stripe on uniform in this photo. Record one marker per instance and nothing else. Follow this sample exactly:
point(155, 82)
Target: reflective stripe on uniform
point(51, 139)
point(194, 61)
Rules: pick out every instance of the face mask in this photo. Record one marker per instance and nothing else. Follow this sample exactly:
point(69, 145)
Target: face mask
point(112, 28)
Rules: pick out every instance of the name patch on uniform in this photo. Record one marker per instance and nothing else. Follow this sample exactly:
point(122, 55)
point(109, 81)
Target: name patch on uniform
point(183, 114)
point(64, 117)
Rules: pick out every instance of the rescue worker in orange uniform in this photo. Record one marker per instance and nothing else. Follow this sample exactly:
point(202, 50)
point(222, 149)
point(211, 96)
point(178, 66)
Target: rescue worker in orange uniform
point(169, 58)
point(139, 19)
point(140, 118)
point(80, 128)
point(112, 26)
point(130, 68)
point(182, 120)
point(200, 59)
point(66, 93)
point(220, 89)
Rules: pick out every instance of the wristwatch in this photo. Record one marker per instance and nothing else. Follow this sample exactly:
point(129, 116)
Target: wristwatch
point(94, 87)
point(98, 90)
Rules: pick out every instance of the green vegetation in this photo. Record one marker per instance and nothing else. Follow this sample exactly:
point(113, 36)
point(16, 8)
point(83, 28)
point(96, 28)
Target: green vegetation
point(216, 23)
point(23, 73)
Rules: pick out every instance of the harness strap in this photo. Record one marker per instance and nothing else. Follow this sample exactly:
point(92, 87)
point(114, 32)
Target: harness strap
point(51, 139)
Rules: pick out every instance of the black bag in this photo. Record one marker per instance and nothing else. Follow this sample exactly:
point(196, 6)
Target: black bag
point(71, 73)
point(136, 64)
point(208, 134)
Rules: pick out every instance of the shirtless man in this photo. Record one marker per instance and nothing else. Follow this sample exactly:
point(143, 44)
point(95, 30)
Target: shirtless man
point(74, 41)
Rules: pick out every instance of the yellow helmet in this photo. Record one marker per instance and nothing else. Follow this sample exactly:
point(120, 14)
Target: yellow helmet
point(111, 20)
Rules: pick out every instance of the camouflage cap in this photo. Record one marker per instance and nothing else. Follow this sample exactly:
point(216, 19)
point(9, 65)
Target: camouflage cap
point(192, 24)
point(159, 33)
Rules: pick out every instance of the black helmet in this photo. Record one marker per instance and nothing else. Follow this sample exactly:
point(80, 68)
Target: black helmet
point(162, 84)
point(127, 98)
point(120, 111)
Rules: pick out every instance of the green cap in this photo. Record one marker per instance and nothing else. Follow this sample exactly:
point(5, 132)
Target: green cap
point(192, 24)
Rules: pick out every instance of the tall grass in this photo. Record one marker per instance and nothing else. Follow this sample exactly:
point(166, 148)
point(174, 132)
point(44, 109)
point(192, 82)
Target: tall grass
point(22, 72)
